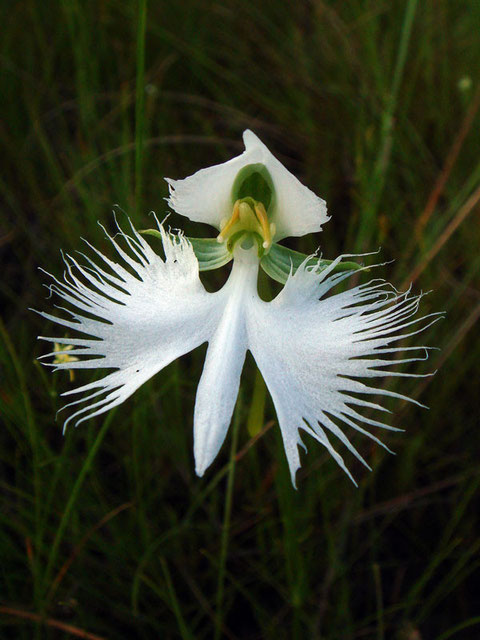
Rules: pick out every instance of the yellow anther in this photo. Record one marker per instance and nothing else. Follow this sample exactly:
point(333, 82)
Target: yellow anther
point(235, 216)
point(262, 218)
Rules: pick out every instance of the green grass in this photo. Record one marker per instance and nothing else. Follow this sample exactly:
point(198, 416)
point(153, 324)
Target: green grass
point(108, 530)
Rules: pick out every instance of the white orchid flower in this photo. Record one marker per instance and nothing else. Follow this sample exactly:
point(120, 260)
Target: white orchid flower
point(143, 312)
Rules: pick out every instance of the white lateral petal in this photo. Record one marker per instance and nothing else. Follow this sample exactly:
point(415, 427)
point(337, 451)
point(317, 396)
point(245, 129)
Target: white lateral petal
point(310, 352)
point(220, 380)
point(206, 196)
point(140, 316)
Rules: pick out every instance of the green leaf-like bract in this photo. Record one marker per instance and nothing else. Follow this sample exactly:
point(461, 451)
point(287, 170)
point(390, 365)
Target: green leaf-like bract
point(210, 253)
point(280, 262)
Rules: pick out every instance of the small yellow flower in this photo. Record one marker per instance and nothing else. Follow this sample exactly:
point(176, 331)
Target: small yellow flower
point(64, 357)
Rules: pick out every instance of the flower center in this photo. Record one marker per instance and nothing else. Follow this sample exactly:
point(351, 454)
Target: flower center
point(248, 217)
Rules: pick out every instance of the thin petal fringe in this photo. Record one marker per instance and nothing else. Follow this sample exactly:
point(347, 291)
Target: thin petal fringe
point(139, 315)
point(312, 349)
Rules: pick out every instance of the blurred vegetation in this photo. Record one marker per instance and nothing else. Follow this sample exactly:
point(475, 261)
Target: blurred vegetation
point(107, 532)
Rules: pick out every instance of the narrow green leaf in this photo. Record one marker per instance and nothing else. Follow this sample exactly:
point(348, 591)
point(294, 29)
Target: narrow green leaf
point(279, 262)
point(140, 104)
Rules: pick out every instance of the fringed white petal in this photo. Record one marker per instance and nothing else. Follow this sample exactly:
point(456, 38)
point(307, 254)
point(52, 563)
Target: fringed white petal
point(206, 196)
point(312, 349)
point(218, 387)
point(140, 315)
point(137, 316)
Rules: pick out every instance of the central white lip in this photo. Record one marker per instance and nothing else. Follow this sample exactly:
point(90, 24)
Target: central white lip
point(218, 388)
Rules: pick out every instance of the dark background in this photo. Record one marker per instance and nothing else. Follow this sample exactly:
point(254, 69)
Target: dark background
point(107, 531)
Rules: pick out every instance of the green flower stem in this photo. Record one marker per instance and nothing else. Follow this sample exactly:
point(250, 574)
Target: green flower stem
point(256, 415)
point(295, 570)
point(226, 523)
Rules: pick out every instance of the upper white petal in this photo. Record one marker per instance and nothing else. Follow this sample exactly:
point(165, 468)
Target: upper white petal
point(140, 316)
point(206, 196)
point(218, 387)
point(311, 352)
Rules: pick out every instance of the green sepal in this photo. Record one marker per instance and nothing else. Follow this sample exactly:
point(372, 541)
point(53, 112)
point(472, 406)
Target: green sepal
point(210, 253)
point(280, 262)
